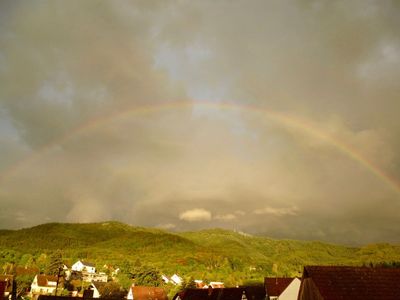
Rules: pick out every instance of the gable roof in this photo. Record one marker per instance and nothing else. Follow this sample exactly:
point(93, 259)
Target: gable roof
point(148, 293)
point(19, 270)
point(275, 286)
point(208, 294)
point(251, 293)
point(43, 280)
point(255, 292)
point(98, 284)
point(87, 264)
point(356, 283)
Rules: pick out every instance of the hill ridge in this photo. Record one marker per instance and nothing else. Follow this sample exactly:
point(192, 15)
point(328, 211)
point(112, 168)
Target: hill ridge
point(211, 253)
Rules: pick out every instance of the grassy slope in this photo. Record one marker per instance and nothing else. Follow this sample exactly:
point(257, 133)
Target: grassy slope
point(209, 253)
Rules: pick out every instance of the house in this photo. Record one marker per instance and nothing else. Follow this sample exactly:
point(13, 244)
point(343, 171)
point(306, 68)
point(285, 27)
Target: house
point(44, 285)
point(240, 293)
point(87, 272)
point(146, 293)
point(282, 288)
point(98, 277)
point(164, 278)
point(67, 271)
point(175, 279)
point(253, 293)
point(82, 266)
point(216, 285)
point(200, 284)
point(356, 283)
point(97, 286)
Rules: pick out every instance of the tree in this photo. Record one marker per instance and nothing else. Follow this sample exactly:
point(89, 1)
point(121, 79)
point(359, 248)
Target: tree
point(112, 289)
point(188, 283)
point(126, 267)
point(56, 263)
point(27, 260)
point(8, 268)
point(124, 280)
point(23, 283)
point(147, 275)
point(172, 290)
point(42, 262)
point(56, 267)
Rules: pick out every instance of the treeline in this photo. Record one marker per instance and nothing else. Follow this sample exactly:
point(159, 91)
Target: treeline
point(213, 255)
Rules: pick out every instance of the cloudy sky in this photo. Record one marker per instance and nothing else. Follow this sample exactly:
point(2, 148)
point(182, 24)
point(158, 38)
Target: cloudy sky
point(269, 117)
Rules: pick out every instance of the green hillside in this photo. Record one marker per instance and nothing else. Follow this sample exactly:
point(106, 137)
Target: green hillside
point(209, 254)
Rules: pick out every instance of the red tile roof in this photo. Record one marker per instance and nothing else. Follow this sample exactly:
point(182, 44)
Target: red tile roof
point(43, 280)
point(148, 293)
point(276, 285)
point(26, 271)
point(356, 283)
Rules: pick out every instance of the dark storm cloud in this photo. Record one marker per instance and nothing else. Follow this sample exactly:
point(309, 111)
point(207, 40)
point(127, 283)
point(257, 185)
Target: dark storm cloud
point(333, 64)
point(65, 63)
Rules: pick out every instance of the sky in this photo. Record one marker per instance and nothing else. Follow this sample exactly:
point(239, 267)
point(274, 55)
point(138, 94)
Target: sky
point(275, 118)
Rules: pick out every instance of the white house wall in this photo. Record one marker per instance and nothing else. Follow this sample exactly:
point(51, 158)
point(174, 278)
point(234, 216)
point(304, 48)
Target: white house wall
point(78, 266)
point(292, 291)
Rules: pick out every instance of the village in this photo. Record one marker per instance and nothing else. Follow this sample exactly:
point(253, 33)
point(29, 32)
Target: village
point(82, 280)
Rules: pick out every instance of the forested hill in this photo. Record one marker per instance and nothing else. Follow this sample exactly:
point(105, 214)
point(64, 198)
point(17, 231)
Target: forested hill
point(213, 254)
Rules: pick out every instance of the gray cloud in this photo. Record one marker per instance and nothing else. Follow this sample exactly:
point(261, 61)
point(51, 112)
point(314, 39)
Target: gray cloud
point(282, 211)
point(331, 68)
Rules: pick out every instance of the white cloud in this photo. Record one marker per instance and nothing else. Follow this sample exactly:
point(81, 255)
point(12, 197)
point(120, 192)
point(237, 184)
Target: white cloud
point(279, 212)
point(195, 215)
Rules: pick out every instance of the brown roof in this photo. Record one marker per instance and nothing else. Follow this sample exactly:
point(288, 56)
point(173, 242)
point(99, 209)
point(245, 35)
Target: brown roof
point(26, 270)
point(43, 280)
point(356, 283)
point(275, 286)
point(148, 293)
point(200, 285)
point(252, 293)
point(88, 264)
point(255, 292)
point(98, 284)
point(210, 294)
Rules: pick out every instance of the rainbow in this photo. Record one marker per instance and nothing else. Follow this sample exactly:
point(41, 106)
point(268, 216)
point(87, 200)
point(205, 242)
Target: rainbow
point(282, 119)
